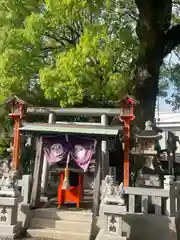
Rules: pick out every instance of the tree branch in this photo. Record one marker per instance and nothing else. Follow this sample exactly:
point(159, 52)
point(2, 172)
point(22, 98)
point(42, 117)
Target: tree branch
point(73, 30)
point(176, 2)
point(177, 55)
point(52, 36)
point(49, 48)
point(131, 15)
point(171, 39)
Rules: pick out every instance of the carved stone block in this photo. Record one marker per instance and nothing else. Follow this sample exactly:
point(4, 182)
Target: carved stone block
point(112, 216)
point(9, 227)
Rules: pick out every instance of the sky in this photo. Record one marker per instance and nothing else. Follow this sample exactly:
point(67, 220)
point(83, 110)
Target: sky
point(163, 107)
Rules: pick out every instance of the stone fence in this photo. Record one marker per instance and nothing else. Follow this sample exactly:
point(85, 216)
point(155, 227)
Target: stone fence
point(155, 201)
point(152, 213)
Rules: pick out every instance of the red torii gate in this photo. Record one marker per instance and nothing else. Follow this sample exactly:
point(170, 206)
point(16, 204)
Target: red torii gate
point(126, 114)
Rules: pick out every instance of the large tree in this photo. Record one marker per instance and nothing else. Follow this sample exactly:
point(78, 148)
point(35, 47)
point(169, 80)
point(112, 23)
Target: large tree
point(78, 52)
point(75, 52)
point(157, 38)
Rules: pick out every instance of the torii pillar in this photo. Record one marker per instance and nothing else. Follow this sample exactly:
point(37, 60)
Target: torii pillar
point(127, 115)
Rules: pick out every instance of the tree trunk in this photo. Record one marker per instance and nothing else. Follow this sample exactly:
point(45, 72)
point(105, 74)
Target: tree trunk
point(153, 22)
point(146, 92)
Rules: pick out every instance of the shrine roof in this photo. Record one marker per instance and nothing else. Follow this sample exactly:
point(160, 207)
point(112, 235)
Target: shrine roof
point(16, 98)
point(128, 99)
point(91, 130)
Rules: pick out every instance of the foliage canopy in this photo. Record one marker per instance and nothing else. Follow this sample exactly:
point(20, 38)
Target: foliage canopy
point(71, 51)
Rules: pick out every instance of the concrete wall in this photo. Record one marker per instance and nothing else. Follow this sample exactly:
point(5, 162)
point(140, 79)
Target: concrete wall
point(150, 227)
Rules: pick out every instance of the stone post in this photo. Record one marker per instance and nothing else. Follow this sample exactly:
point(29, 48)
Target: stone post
point(105, 150)
point(26, 188)
point(170, 209)
point(112, 172)
point(112, 218)
point(44, 177)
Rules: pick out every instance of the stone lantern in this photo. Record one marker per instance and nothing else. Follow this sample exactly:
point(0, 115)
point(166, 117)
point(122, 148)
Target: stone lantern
point(126, 105)
point(146, 141)
point(17, 107)
point(146, 153)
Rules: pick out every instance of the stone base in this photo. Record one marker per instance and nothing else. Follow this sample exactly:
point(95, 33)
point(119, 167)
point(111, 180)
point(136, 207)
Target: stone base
point(9, 227)
point(9, 193)
point(102, 236)
point(113, 209)
point(9, 201)
point(10, 232)
point(8, 211)
point(112, 222)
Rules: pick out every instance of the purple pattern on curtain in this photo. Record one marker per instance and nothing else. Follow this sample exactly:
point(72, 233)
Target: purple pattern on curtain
point(82, 151)
point(55, 149)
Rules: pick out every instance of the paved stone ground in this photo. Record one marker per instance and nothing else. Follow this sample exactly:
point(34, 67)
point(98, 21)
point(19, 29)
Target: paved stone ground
point(27, 238)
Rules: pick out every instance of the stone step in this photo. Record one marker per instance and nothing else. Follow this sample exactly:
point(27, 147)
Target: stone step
point(56, 234)
point(74, 215)
point(64, 225)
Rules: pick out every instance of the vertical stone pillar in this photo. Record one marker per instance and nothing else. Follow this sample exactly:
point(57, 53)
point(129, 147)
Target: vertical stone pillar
point(105, 150)
point(9, 227)
point(112, 217)
point(112, 172)
point(26, 188)
point(44, 177)
point(168, 181)
point(170, 209)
